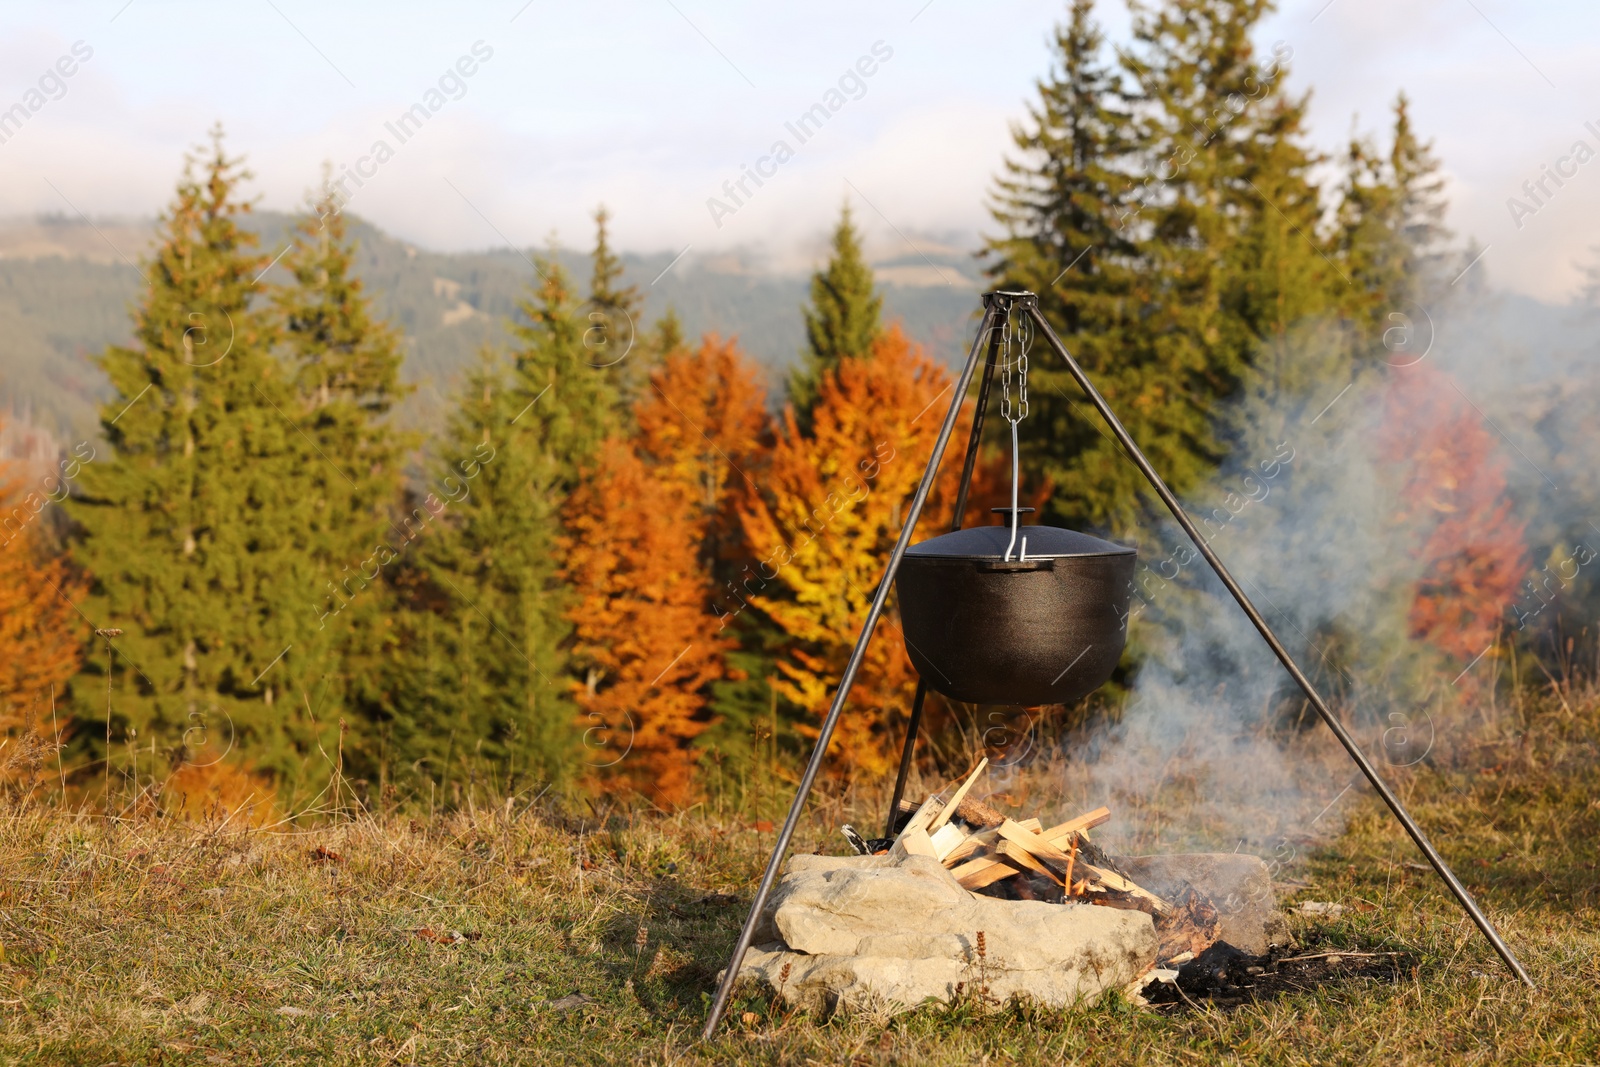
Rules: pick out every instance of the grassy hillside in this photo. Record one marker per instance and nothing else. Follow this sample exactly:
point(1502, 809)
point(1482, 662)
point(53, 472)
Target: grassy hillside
point(66, 287)
point(505, 935)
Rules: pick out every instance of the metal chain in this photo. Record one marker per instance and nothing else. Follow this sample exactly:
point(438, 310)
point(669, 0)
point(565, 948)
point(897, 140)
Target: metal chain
point(1018, 339)
point(1014, 340)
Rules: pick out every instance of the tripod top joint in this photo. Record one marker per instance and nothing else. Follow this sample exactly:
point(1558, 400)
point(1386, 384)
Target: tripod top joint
point(1005, 299)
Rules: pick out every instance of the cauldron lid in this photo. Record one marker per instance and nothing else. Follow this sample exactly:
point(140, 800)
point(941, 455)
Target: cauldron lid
point(989, 542)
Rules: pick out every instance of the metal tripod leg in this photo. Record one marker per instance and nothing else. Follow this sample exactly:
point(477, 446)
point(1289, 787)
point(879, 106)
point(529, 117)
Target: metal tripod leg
point(914, 724)
point(719, 1004)
point(1260, 623)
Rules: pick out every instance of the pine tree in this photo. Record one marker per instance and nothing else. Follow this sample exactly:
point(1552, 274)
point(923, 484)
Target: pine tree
point(190, 529)
point(843, 319)
point(1421, 204)
point(1390, 236)
point(1064, 203)
point(668, 335)
point(485, 691)
point(613, 310)
point(555, 353)
point(346, 366)
point(482, 696)
point(1175, 286)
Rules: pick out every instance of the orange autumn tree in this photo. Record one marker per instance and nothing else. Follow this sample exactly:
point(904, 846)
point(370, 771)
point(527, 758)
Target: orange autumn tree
point(41, 636)
point(1473, 553)
point(704, 423)
point(824, 520)
point(641, 529)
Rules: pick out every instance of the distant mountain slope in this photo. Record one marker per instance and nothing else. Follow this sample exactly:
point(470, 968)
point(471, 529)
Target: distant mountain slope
point(66, 288)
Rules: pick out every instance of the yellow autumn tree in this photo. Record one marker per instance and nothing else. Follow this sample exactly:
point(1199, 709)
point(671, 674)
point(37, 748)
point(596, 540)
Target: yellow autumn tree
point(643, 532)
point(824, 520)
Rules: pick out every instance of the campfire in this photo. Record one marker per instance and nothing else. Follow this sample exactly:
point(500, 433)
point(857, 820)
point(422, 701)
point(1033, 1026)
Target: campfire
point(991, 854)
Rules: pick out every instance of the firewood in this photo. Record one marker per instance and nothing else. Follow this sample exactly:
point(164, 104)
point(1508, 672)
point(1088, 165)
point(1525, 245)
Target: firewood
point(961, 794)
point(1059, 863)
point(1036, 846)
point(916, 842)
point(979, 873)
point(1058, 835)
point(1189, 929)
point(977, 814)
point(923, 815)
point(947, 839)
point(1113, 880)
point(983, 839)
point(913, 839)
point(1016, 854)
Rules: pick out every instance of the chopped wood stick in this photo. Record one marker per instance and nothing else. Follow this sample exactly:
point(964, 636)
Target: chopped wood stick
point(1035, 845)
point(1059, 863)
point(946, 839)
point(961, 794)
point(923, 815)
point(918, 825)
point(971, 846)
point(976, 866)
point(1114, 881)
point(1016, 854)
point(1057, 835)
point(984, 873)
point(1072, 858)
point(916, 842)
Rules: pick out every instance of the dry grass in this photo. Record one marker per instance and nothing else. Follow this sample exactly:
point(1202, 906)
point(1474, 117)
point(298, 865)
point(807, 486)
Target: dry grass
point(508, 936)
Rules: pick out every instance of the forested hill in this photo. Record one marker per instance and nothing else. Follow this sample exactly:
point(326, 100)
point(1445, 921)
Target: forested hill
point(66, 289)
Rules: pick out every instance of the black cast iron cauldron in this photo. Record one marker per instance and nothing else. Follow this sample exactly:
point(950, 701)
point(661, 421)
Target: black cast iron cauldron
point(1045, 629)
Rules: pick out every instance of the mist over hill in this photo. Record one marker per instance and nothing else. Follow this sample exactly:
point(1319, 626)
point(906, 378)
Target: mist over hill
point(67, 286)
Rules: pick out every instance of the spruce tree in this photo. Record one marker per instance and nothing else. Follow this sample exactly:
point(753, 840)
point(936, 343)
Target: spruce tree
point(614, 331)
point(1164, 211)
point(1421, 203)
point(346, 368)
point(843, 319)
point(1390, 238)
point(667, 337)
point(491, 697)
point(1063, 202)
point(584, 405)
point(190, 527)
point(606, 293)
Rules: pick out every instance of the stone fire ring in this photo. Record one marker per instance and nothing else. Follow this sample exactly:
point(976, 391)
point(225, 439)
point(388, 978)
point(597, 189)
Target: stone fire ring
point(876, 933)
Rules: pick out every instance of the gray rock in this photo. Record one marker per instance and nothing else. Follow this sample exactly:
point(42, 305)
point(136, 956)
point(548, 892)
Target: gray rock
point(871, 932)
point(1239, 885)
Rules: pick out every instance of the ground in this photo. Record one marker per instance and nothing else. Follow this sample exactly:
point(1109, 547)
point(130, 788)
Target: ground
point(511, 936)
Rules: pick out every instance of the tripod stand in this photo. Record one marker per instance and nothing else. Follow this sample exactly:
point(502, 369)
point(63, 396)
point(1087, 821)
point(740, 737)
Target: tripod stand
point(997, 307)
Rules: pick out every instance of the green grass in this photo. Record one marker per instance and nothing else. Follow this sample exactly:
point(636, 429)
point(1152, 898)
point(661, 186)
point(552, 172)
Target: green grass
point(160, 942)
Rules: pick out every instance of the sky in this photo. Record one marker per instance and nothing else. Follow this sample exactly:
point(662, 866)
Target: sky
point(545, 110)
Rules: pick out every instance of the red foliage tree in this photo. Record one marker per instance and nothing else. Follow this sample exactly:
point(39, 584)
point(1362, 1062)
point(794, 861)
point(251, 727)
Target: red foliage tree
point(1453, 486)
